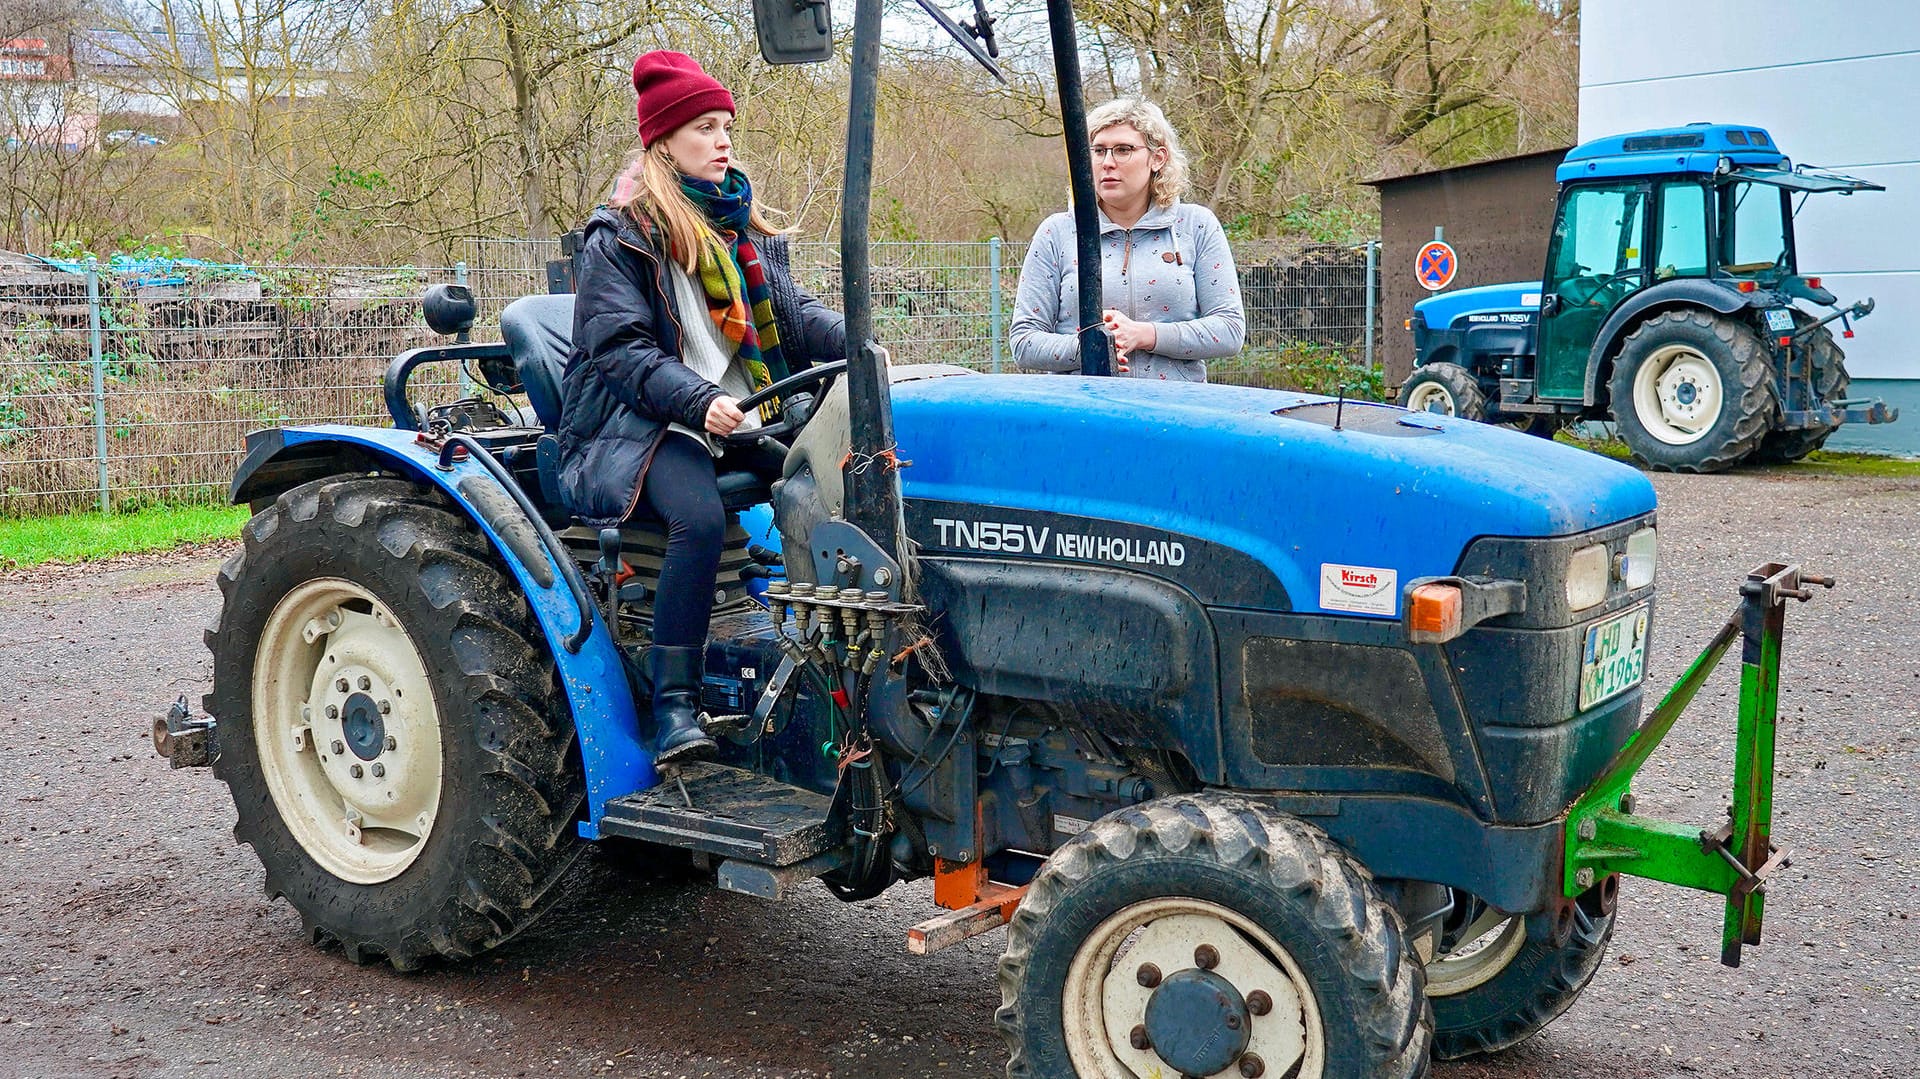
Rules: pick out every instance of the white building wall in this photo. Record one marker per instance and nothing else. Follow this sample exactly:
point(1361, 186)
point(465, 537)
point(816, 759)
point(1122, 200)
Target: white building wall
point(1838, 85)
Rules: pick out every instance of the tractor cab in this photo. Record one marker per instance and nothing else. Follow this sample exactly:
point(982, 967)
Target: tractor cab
point(1657, 229)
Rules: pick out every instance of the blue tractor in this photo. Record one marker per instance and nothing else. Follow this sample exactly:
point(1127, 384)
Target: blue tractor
point(1670, 306)
point(1315, 778)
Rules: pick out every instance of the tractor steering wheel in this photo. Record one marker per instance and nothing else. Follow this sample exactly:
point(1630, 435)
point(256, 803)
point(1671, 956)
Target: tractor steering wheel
point(1587, 289)
point(785, 425)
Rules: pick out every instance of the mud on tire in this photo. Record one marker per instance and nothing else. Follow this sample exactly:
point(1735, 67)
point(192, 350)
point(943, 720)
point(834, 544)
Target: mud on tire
point(1278, 876)
point(499, 832)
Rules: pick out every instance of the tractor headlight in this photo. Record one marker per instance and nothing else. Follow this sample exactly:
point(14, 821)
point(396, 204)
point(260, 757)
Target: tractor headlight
point(1641, 559)
point(1587, 575)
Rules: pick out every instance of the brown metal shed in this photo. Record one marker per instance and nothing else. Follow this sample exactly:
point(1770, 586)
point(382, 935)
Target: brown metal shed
point(1494, 214)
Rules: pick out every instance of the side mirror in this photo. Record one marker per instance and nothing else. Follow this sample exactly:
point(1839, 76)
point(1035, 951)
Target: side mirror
point(794, 31)
point(449, 309)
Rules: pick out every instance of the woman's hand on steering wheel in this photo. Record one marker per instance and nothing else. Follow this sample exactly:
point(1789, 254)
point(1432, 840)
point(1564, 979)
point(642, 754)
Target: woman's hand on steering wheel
point(785, 425)
point(724, 415)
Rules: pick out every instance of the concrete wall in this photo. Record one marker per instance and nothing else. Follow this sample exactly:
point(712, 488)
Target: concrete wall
point(1496, 216)
point(1838, 85)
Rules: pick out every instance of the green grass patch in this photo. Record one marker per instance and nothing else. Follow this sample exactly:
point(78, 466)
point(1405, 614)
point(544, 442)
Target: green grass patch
point(1825, 462)
point(1841, 463)
point(1605, 447)
point(87, 537)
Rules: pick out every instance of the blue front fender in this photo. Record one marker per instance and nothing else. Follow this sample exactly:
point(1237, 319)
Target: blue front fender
point(614, 758)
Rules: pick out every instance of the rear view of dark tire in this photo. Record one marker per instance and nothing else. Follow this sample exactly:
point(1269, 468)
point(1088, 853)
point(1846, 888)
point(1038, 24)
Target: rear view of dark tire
point(1493, 988)
point(397, 749)
point(1692, 391)
point(1830, 379)
point(1199, 934)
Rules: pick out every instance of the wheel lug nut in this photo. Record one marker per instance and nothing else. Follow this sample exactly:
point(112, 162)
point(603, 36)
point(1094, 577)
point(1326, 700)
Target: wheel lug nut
point(1258, 1002)
point(386, 706)
point(1251, 1066)
point(333, 711)
point(379, 771)
point(1206, 957)
point(356, 771)
point(340, 684)
point(365, 682)
point(339, 747)
point(392, 742)
point(1148, 975)
point(1138, 1038)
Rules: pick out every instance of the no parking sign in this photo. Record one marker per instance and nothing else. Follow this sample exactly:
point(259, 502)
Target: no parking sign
point(1434, 266)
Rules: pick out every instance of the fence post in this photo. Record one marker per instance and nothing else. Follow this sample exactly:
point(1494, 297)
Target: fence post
point(99, 357)
point(467, 388)
point(993, 296)
point(1373, 290)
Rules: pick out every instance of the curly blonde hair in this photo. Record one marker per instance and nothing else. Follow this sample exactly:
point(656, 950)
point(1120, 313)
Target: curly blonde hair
point(1171, 181)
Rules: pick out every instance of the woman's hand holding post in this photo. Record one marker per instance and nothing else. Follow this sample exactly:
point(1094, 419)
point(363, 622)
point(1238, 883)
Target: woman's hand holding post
point(1128, 336)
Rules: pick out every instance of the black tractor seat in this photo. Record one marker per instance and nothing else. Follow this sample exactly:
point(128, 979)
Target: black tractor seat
point(538, 331)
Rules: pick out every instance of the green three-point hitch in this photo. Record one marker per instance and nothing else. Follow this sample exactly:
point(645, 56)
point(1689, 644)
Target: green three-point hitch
point(1604, 835)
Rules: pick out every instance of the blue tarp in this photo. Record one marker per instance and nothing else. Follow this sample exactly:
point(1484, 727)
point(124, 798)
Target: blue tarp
point(145, 272)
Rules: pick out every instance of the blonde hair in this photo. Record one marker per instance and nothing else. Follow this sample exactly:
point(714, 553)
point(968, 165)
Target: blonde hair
point(1170, 182)
point(648, 190)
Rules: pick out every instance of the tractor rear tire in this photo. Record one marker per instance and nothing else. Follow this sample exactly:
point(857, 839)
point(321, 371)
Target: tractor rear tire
point(1692, 391)
point(1831, 379)
point(392, 731)
point(1218, 893)
point(1502, 993)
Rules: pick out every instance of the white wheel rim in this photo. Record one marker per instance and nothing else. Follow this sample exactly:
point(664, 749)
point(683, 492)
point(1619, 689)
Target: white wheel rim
point(1432, 397)
point(312, 735)
point(1103, 1000)
point(1486, 948)
point(1677, 395)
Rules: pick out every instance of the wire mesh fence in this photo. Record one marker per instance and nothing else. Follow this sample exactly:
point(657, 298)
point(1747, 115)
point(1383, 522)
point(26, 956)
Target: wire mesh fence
point(134, 382)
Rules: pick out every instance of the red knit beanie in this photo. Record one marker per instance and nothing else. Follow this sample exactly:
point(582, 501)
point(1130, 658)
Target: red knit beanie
point(673, 90)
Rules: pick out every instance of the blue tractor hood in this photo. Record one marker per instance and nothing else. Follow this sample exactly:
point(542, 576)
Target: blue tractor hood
point(1439, 312)
point(1262, 472)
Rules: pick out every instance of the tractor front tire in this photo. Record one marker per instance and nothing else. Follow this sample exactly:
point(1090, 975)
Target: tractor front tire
point(1452, 390)
point(1197, 932)
point(1494, 988)
point(1446, 388)
point(397, 748)
point(1830, 378)
point(1692, 391)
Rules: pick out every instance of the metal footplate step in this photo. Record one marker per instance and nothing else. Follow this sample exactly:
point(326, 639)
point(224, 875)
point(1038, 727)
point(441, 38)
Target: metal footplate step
point(772, 834)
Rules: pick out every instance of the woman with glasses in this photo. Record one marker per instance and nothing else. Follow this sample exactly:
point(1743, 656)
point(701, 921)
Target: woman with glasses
point(1170, 293)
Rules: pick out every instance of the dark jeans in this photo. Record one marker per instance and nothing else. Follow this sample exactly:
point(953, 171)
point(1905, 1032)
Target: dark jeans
point(681, 489)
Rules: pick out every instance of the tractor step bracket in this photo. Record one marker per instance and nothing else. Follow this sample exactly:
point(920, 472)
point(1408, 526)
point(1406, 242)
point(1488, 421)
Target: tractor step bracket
point(727, 811)
point(185, 740)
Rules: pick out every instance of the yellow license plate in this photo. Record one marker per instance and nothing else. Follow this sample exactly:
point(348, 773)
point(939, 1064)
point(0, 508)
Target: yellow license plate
point(1615, 658)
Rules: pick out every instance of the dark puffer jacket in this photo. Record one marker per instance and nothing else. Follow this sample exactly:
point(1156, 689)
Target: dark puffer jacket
point(625, 381)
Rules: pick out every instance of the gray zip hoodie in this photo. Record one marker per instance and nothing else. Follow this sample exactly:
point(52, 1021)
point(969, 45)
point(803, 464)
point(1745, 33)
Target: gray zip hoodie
point(1173, 267)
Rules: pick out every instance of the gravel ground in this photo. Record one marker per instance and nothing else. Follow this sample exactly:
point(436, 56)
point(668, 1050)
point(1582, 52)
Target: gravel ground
point(135, 940)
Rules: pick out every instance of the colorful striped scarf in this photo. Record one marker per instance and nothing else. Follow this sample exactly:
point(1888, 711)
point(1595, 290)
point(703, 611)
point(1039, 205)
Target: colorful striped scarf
point(739, 297)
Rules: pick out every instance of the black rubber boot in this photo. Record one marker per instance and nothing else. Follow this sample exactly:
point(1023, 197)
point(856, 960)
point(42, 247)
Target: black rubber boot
point(676, 674)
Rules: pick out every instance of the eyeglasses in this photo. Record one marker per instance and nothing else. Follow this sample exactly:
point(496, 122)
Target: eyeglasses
point(1121, 154)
